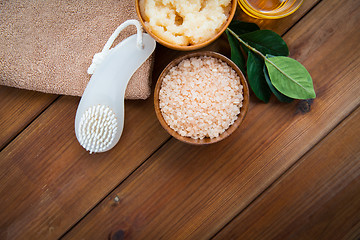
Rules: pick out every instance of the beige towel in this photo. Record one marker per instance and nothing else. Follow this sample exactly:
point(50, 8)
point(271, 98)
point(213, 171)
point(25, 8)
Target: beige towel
point(48, 45)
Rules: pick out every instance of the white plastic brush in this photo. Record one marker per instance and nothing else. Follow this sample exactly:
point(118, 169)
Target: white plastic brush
point(99, 118)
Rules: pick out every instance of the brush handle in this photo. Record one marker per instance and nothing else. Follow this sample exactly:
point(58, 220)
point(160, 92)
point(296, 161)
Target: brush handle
point(108, 84)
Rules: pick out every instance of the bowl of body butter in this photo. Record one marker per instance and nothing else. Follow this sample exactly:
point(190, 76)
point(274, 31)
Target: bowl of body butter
point(201, 98)
point(185, 25)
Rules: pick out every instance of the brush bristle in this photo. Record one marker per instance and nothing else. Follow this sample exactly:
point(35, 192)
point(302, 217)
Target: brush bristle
point(97, 128)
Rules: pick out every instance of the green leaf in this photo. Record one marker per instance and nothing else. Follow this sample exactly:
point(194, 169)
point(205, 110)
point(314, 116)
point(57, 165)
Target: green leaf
point(290, 77)
point(240, 27)
point(256, 77)
point(281, 97)
point(236, 54)
point(267, 42)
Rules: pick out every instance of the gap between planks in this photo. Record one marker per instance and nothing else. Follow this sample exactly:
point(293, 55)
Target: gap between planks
point(29, 123)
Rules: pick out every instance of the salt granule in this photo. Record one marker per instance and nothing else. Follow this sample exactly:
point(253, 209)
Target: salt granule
point(201, 97)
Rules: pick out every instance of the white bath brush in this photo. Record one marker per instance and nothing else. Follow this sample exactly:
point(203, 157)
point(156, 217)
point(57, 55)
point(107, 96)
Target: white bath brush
point(99, 118)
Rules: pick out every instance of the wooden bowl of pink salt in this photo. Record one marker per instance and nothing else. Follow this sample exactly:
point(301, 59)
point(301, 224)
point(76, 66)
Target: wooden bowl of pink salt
point(201, 98)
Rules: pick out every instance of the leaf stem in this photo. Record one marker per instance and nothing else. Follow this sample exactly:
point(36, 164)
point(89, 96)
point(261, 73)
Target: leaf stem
point(246, 44)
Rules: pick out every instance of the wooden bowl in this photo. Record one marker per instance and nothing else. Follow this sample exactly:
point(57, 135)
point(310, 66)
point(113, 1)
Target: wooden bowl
point(189, 47)
point(227, 132)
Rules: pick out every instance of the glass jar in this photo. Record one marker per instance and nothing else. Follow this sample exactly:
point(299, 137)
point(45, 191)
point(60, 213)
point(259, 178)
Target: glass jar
point(269, 9)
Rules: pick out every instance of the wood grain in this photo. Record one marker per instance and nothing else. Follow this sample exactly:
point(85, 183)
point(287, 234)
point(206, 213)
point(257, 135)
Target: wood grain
point(48, 181)
point(17, 109)
point(191, 192)
point(319, 198)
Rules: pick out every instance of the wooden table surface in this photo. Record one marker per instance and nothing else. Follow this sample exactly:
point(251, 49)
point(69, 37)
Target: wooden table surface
point(291, 171)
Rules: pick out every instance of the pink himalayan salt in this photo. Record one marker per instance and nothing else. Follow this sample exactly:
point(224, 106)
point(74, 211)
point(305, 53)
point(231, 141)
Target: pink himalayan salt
point(201, 97)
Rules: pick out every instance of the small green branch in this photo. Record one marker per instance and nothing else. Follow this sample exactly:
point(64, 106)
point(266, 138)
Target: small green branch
point(263, 56)
point(253, 49)
point(246, 44)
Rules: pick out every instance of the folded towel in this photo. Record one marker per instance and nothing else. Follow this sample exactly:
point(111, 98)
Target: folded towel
point(48, 45)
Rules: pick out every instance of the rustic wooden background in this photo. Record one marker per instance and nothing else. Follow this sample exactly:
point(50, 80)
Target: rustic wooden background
point(291, 171)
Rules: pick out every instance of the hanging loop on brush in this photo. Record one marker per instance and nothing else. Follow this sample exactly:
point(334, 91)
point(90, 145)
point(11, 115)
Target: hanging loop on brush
point(99, 57)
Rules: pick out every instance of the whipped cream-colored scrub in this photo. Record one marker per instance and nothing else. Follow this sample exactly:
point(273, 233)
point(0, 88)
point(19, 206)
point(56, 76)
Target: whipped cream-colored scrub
point(185, 22)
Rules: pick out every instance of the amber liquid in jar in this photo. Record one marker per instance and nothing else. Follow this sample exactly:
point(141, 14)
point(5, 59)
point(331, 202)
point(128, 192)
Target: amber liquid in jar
point(266, 5)
point(269, 9)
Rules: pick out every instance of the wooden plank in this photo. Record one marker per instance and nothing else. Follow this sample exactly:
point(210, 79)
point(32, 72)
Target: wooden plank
point(44, 178)
point(319, 198)
point(48, 181)
point(186, 191)
point(17, 109)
